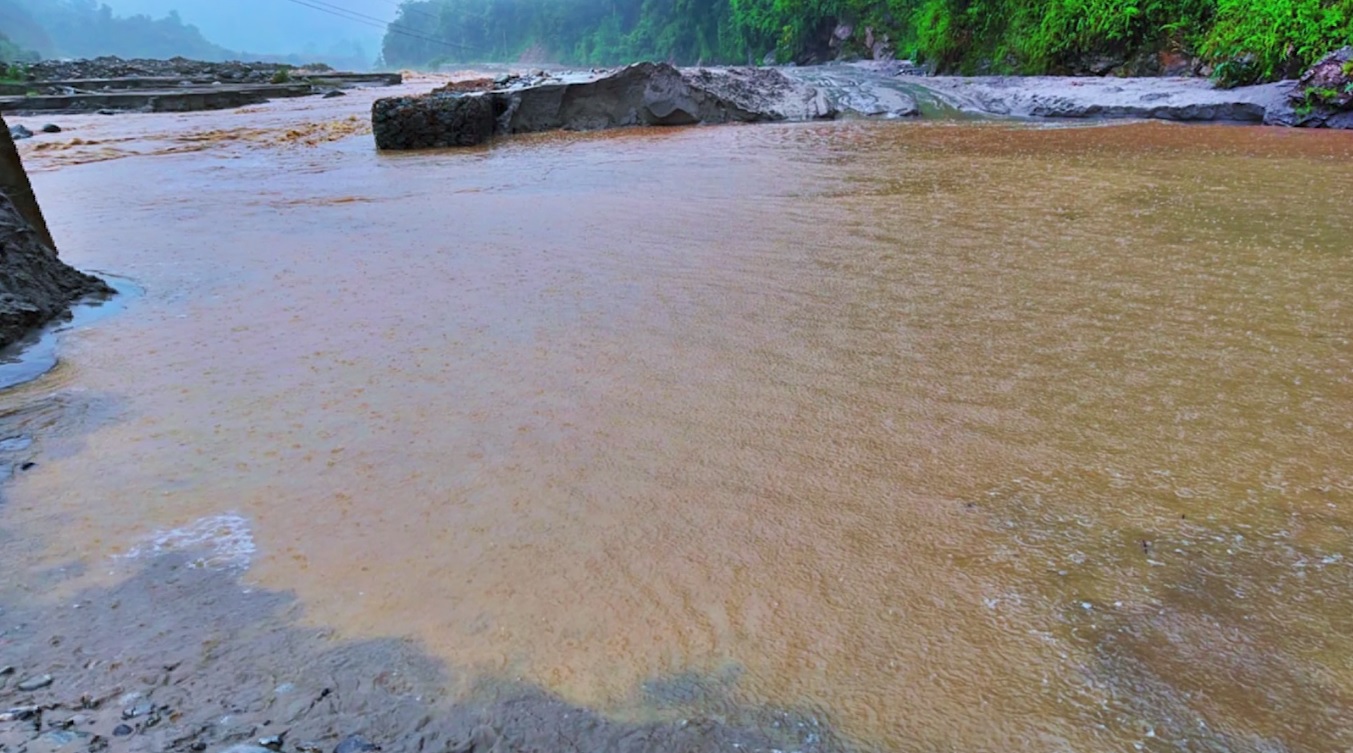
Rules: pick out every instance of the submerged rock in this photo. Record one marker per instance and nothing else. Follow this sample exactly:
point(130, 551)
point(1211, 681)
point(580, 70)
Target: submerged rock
point(18, 132)
point(641, 94)
point(356, 744)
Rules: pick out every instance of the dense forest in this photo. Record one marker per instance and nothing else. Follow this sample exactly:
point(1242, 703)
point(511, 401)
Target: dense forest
point(1243, 40)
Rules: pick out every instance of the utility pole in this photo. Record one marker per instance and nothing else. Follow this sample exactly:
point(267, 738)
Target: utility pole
point(14, 184)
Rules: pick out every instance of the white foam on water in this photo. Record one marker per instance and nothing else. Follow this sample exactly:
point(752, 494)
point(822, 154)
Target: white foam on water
point(222, 542)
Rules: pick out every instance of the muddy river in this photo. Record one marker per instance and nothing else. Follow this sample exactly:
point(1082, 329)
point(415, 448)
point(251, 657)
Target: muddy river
point(958, 436)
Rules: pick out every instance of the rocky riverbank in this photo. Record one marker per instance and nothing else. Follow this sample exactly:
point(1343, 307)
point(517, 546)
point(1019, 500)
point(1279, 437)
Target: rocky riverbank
point(471, 112)
point(115, 67)
point(109, 85)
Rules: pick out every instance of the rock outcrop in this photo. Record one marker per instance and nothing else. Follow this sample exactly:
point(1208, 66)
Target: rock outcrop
point(654, 94)
point(1184, 99)
point(1323, 96)
point(35, 286)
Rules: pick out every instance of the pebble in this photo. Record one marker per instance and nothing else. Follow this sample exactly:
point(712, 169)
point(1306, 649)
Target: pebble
point(121, 730)
point(355, 744)
point(51, 128)
point(140, 709)
point(247, 748)
point(34, 683)
point(271, 743)
point(18, 714)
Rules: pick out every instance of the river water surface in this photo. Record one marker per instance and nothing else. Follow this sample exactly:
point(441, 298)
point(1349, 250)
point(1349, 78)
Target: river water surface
point(973, 437)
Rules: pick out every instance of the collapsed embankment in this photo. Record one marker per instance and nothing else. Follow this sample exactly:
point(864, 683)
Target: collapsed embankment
point(35, 286)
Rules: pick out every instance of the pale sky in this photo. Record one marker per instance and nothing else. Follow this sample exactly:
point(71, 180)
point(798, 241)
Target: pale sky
point(272, 26)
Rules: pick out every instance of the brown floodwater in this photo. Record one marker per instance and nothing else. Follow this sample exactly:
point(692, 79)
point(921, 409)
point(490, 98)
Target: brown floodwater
point(957, 436)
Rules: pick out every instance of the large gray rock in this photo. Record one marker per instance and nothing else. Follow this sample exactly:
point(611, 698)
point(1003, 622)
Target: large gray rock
point(645, 94)
point(1187, 99)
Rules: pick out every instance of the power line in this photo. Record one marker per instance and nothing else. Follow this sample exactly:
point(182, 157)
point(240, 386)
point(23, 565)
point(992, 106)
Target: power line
point(351, 13)
point(400, 4)
point(362, 18)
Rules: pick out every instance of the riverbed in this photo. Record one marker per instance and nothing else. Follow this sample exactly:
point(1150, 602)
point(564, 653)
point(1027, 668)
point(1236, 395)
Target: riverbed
point(949, 435)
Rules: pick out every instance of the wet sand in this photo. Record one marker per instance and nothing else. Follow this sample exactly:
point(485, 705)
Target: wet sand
point(945, 436)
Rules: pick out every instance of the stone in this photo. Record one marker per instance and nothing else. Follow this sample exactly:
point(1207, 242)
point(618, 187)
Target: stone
point(355, 744)
point(19, 713)
point(140, 709)
point(435, 121)
point(247, 748)
point(57, 740)
point(334, 93)
point(18, 132)
point(34, 683)
point(1323, 97)
point(121, 730)
point(51, 128)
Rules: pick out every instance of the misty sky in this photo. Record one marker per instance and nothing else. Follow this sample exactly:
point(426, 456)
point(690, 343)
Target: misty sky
point(271, 26)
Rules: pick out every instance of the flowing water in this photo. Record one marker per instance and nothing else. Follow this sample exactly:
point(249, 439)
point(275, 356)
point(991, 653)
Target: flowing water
point(965, 437)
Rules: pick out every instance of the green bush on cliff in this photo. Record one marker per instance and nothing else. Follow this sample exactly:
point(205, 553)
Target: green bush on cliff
point(1263, 39)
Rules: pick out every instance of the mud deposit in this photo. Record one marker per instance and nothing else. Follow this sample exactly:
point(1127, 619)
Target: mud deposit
point(924, 436)
point(181, 656)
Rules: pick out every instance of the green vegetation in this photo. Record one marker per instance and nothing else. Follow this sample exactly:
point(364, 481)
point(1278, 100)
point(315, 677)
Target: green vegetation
point(13, 73)
point(1247, 40)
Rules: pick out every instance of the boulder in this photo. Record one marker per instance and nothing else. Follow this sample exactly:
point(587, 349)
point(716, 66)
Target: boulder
point(18, 132)
point(644, 94)
point(433, 121)
point(1323, 96)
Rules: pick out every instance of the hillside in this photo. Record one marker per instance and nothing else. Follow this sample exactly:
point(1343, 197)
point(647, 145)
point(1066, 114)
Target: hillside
point(1242, 40)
